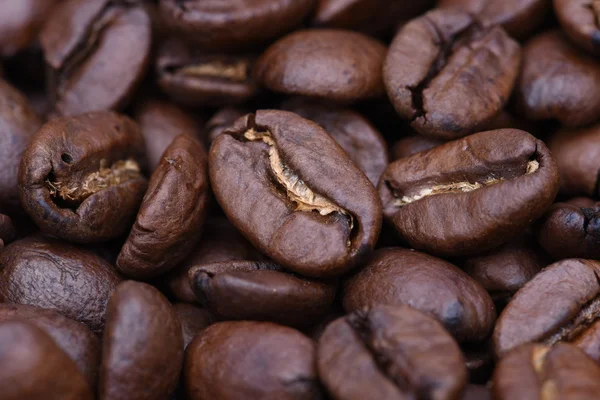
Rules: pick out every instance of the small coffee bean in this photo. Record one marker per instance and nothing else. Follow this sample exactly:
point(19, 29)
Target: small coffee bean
point(193, 320)
point(579, 20)
point(20, 22)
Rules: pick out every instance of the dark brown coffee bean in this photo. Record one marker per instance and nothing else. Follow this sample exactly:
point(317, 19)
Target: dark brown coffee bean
point(18, 123)
point(251, 360)
point(579, 20)
point(263, 291)
point(470, 195)
point(34, 367)
point(413, 144)
point(540, 372)
point(48, 273)
point(221, 121)
point(228, 24)
point(390, 353)
point(20, 22)
point(560, 304)
point(142, 349)
point(567, 94)
point(358, 137)
point(170, 219)
point(446, 58)
point(196, 78)
point(7, 231)
point(80, 177)
point(74, 338)
point(337, 65)
point(161, 122)
point(398, 276)
point(97, 52)
point(193, 320)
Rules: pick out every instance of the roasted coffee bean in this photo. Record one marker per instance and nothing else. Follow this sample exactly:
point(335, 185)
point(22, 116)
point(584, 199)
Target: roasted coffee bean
point(74, 338)
point(518, 17)
point(560, 304)
point(558, 82)
point(193, 320)
point(196, 78)
point(398, 276)
point(470, 195)
point(413, 144)
point(540, 372)
point(579, 20)
point(337, 65)
point(34, 367)
point(251, 360)
point(80, 177)
point(263, 291)
point(20, 22)
point(358, 137)
point(448, 58)
point(577, 154)
point(18, 123)
point(220, 121)
point(97, 52)
point(294, 193)
point(161, 122)
point(142, 351)
point(390, 353)
point(48, 273)
point(170, 219)
point(7, 231)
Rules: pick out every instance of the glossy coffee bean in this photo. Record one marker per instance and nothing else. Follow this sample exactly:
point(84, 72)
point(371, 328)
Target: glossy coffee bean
point(169, 223)
point(558, 82)
point(579, 20)
point(7, 231)
point(398, 276)
point(560, 304)
point(445, 58)
point(72, 337)
point(294, 193)
point(251, 360)
point(81, 177)
point(193, 320)
point(261, 291)
point(388, 352)
point(470, 195)
point(48, 273)
point(142, 349)
point(18, 123)
point(540, 372)
point(336, 65)
point(33, 367)
point(97, 52)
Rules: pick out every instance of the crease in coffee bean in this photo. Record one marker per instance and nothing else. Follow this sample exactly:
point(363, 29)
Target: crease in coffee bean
point(233, 71)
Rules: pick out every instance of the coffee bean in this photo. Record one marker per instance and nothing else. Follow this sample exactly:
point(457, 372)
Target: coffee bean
point(397, 276)
point(221, 121)
point(470, 195)
point(254, 290)
point(34, 367)
point(560, 304)
point(294, 193)
point(20, 22)
point(48, 273)
point(578, 19)
point(445, 58)
point(337, 65)
point(193, 320)
point(390, 353)
point(97, 52)
point(142, 349)
point(81, 177)
point(251, 360)
point(540, 372)
point(413, 144)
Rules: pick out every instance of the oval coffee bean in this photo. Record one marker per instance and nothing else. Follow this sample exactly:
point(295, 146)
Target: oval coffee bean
point(389, 352)
point(48, 273)
point(560, 304)
point(255, 290)
point(20, 22)
point(251, 360)
point(80, 177)
point(170, 219)
point(34, 367)
point(193, 320)
point(566, 94)
point(97, 53)
point(444, 58)
point(470, 195)
point(337, 65)
point(579, 20)
point(539, 372)
point(294, 193)
point(398, 276)
point(142, 349)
